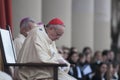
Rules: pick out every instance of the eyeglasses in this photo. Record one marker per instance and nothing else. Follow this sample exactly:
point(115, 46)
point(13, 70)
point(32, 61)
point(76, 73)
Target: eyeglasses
point(57, 33)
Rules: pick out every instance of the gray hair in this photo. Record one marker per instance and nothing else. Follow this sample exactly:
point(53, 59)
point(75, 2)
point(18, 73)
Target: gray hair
point(24, 22)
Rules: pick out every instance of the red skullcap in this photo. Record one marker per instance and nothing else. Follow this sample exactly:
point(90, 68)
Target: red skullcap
point(56, 21)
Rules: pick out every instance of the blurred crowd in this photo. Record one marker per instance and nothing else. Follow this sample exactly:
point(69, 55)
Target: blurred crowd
point(89, 65)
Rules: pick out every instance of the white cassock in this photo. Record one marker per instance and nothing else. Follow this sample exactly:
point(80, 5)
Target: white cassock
point(38, 47)
point(18, 42)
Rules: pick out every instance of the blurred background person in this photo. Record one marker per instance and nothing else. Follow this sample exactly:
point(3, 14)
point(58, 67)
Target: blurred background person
point(72, 59)
point(88, 58)
point(83, 68)
point(66, 52)
point(105, 55)
point(101, 72)
point(73, 49)
point(111, 56)
point(97, 59)
point(26, 25)
point(87, 50)
point(115, 71)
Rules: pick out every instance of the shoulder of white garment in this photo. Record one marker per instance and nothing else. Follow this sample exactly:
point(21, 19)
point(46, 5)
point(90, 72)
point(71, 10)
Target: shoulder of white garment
point(20, 36)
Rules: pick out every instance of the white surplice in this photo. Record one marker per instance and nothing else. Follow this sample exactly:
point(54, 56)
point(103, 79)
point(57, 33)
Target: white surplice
point(18, 42)
point(38, 47)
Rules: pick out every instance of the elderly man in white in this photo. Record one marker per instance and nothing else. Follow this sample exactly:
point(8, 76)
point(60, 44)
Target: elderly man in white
point(40, 47)
point(26, 25)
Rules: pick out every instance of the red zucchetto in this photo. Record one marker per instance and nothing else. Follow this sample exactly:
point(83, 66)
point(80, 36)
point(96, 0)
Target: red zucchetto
point(56, 21)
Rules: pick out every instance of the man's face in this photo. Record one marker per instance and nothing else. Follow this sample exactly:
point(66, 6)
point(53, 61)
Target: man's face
point(110, 55)
point(75, 57)
point(103, 68)
point(55, 32)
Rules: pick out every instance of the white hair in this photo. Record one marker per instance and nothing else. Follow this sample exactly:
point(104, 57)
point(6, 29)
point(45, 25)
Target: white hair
point(25, 22)
point(5, 76)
